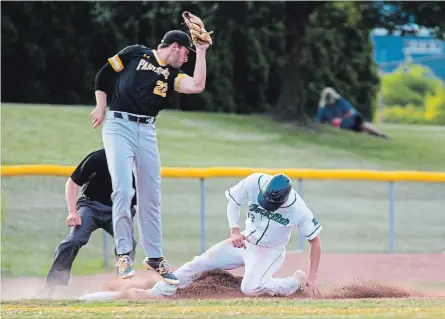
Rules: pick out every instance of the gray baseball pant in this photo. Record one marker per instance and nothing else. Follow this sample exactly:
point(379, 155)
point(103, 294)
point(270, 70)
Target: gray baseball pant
point(133, 146)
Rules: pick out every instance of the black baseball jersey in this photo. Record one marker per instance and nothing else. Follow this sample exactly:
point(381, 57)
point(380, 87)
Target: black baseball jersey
point(145, 83)
point(93, 177)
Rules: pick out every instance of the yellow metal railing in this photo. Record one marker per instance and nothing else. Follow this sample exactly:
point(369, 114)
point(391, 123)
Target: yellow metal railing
point(214, 172)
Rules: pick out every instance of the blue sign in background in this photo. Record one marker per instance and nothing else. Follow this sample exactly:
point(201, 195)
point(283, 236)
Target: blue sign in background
point(392, 50)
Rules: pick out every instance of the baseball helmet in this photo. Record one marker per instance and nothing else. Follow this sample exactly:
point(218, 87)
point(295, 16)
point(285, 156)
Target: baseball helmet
point(275, 193)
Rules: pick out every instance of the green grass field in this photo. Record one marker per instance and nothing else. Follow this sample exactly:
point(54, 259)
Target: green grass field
point(62, 135)
point(354, 214)
point(241, 308)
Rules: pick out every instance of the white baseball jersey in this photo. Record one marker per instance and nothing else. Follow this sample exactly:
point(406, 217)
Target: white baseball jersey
point(272, 229)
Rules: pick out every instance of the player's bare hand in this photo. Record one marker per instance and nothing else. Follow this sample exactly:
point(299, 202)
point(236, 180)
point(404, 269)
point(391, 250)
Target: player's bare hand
point(97, 116)
point(238, 239)
point(312, 288)
point(201, 46)
point(73, 219)
point(336, 122)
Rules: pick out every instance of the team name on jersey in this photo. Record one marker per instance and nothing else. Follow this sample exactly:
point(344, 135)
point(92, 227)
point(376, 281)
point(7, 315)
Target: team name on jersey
point(270, 215)
point(144, 65)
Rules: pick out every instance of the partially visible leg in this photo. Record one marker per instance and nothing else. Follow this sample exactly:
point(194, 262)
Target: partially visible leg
point(119, 138)
point(372, 130)
point(261, 264)
point(108, 227)
point(220, 256)
point(66, 252)
point(148, 185)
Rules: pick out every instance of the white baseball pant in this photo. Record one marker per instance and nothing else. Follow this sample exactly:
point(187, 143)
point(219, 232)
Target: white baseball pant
point(260, 264)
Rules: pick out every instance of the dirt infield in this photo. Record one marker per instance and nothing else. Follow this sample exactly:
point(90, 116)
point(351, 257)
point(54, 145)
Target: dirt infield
point(341, 276)
point(219, 284)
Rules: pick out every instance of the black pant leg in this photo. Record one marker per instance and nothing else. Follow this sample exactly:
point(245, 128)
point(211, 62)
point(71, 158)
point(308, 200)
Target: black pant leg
point(66, 252)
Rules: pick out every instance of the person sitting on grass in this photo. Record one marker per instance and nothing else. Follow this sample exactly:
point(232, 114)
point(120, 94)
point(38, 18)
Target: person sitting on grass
point(335, 109)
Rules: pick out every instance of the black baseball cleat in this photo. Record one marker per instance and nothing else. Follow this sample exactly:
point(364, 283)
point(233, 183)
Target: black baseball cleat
point(161, 266)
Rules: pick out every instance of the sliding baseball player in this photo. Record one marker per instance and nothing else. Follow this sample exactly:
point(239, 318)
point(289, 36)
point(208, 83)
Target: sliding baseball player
point(274, 209)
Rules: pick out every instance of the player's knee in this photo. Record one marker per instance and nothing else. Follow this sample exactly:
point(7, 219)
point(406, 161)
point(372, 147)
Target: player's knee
point(74, 239)
point(77, 241)
point(198, 262)
point(249, 289)
point(198, 265)
point(123, 196)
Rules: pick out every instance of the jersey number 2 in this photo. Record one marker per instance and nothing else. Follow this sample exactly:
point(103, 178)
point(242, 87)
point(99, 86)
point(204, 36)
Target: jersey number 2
point(161, 88)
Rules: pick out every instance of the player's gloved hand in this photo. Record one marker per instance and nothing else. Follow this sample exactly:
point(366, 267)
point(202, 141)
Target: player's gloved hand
point(97, 116)
point(312, 288)
point(238, 238)
point(200, 36)
point(73, 219)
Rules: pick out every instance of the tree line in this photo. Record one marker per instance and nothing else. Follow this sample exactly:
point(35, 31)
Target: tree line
point(273, 57)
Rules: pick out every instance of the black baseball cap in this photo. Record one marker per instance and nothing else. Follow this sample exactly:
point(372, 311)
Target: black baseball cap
point(178, 36)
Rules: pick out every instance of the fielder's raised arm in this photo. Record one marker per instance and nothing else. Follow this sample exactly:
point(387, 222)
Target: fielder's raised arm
point(202, 40)
point(196, 84)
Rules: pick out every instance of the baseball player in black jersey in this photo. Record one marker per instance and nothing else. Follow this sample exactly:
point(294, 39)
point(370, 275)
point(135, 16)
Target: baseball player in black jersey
point(145, 80)
point(92, 210)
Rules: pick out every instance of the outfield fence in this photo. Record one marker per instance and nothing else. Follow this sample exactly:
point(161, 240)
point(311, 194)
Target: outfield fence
point(202, 174)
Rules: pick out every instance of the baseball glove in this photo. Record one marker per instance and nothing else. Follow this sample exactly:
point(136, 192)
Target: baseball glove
point(198, 33)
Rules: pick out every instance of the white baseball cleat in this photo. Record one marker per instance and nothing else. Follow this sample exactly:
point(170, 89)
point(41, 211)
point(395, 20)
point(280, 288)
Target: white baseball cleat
point(301, 277)
point(162, 289)
point(136, 293)
point(101, 296)
point(291, 285)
